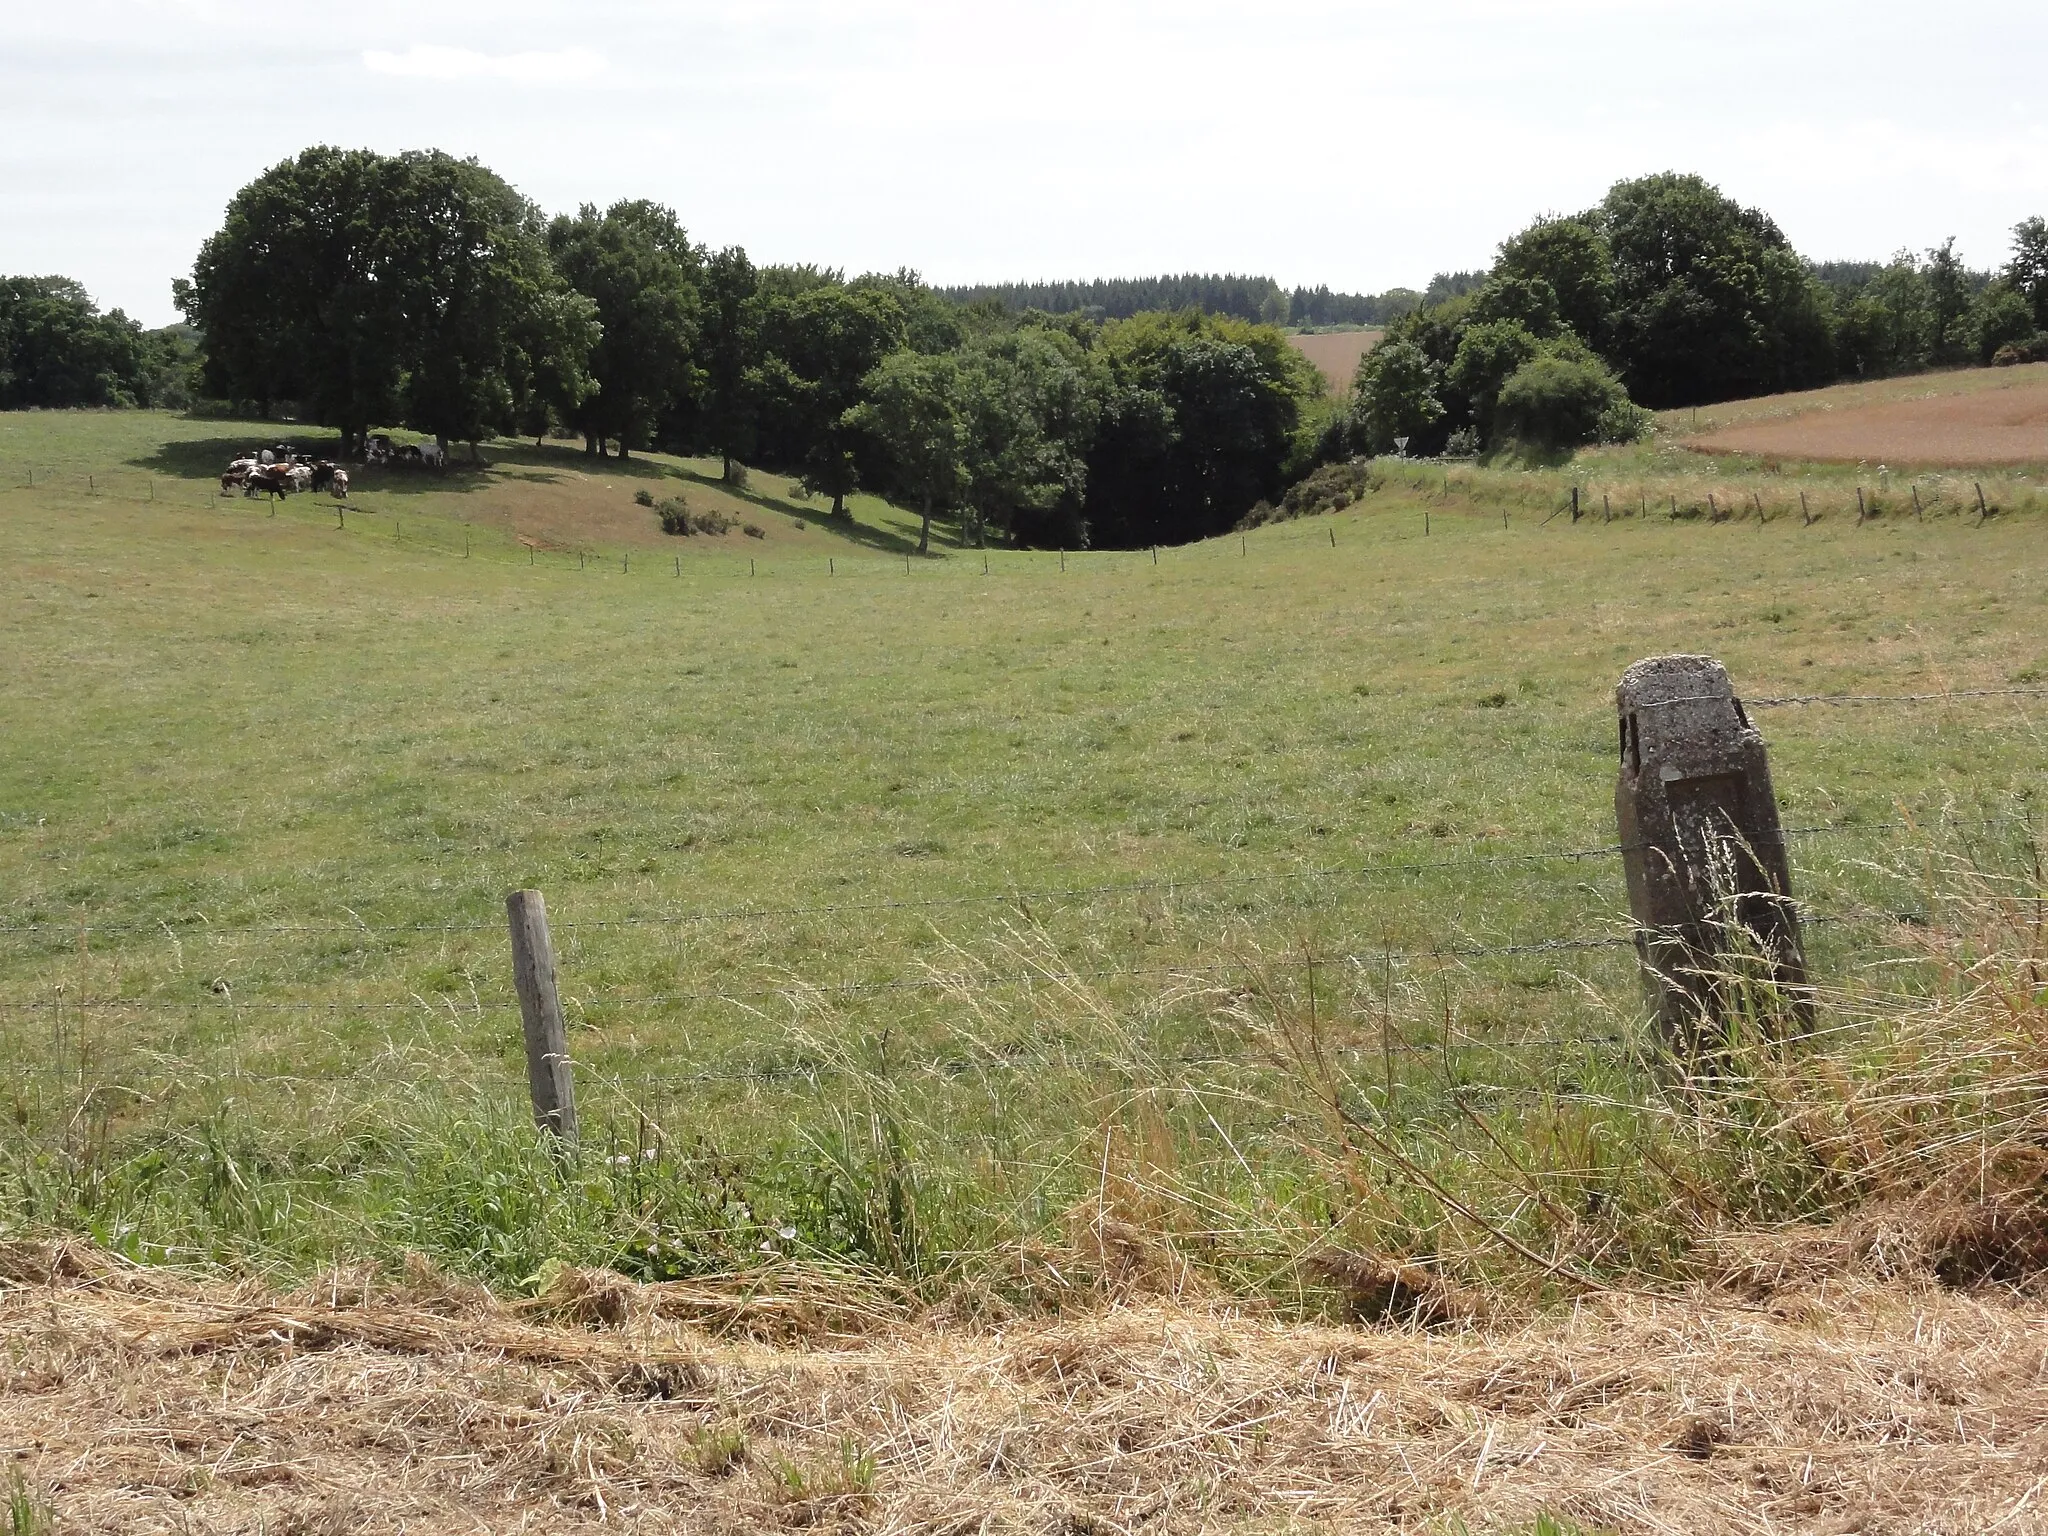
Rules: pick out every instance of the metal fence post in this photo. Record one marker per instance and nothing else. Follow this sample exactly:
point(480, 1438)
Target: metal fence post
point(548, 1076)
point(1709, 884)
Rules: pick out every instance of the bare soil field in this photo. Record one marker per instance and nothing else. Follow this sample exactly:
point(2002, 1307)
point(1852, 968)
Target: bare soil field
point(1336, 353)
point(136, 1400)
point(1976, 416)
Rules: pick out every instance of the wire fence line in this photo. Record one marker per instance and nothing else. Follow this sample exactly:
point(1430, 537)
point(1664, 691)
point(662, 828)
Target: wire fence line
point(227, 1005)
point(200, 926)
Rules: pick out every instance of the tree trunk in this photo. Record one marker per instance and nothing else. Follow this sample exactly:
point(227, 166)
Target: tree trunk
point(725, 467)
point(589, 446)
point(474, 457)
point(838, 502)
point(924, 535)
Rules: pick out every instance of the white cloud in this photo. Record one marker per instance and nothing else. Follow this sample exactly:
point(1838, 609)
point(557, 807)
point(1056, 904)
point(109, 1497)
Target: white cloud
point(427, 61)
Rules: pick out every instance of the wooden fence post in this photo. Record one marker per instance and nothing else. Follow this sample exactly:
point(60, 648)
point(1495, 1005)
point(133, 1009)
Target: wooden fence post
point(548, 1076)
point(1709, 885)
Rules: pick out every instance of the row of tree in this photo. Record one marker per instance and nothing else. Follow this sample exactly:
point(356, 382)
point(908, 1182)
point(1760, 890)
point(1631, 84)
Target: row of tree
point(1669, 293)
point(421, 290)
point(1241, 297)
point(57, 351)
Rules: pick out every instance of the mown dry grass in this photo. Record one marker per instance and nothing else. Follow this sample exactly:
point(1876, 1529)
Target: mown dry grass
point(142, 1401)
point(1733, 424)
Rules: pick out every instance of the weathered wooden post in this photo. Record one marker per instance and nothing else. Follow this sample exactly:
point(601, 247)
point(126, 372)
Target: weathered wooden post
point(1709, 884)
point(548, 1076)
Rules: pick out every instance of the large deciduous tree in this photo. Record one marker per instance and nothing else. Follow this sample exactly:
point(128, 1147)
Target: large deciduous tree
point(635, 262)
point(913, 410)
point(1710, 300)
point(372, 288)
point(731, 350)
point(820, 343)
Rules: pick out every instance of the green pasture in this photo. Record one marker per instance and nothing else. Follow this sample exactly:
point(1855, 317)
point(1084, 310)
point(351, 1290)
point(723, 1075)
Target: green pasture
point(863, 870)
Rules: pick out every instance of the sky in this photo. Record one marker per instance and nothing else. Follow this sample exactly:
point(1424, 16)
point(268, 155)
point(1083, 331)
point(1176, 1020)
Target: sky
point(1363, 145)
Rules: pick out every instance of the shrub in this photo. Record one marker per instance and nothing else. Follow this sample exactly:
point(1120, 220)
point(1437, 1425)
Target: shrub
point(1562, 402)
point(752, 531)
point(643, 497)
point(2032, 350)
point(2000, 318)
point(675, 516)
point(711, 522)
point(736, 475)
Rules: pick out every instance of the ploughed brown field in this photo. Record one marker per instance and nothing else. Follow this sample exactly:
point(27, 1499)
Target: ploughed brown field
point(1951, 419)
point(1337, 353)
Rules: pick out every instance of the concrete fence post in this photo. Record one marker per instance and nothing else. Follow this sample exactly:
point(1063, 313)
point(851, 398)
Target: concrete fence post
point(1709, 884)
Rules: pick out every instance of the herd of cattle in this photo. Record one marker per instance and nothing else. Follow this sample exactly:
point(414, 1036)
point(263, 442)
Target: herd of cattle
point(281, 470)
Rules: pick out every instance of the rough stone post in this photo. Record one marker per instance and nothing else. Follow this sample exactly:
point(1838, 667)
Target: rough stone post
point(1709, 884)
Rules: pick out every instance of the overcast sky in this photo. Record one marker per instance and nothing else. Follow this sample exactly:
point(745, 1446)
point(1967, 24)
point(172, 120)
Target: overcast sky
point(1357, 144)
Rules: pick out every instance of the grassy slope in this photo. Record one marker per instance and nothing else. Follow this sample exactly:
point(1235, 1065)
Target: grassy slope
point(247, 751)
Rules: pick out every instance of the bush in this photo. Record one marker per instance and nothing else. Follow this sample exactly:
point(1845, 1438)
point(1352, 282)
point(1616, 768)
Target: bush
point(736, 475)
point(675, 515)
point(2000, 318)
point(1561, 402)
point(2034, 349)
point(643, 497)
point(752, 531)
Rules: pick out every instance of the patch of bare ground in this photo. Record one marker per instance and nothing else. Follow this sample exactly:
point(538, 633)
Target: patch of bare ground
point(1336, 353)
point(137, 1400)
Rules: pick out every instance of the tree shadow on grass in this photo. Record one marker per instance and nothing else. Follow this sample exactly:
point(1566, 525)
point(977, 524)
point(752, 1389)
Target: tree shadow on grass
point(205, 458)
point(848, 528)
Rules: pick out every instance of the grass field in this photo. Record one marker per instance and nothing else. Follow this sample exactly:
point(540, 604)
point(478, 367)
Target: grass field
point(903, 908)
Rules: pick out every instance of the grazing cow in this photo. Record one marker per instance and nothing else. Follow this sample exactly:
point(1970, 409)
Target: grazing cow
point(268, 480)
point(431, 455)
point(236, 474)
point(301, 476)
point(337, 481)
point(377, 448)
point(323, 472)
point(409, 454)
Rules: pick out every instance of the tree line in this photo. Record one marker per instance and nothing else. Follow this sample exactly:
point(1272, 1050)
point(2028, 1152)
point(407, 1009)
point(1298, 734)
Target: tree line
point(1245, 298)
point(359, 290)
point(58, 351)
point(1669, 293)
point(421, 290)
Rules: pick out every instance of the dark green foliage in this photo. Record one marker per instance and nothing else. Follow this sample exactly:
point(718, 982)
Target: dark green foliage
point(820, 343)
point(1330, 488)
point(1488, 354)
point(1557, 401)
point(635, 264)
point(1889, 324)
point(57, 349)
point(370, 289)
point(731, 347)
point(1710, 301)
point(1569, 258)
point(1119, 298)
point(2027, 272)
point(913, 408)
point(1319, 306)
point(1198, 425)
point(2032, 350)
point(2001, 317)
point(1397, 395)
